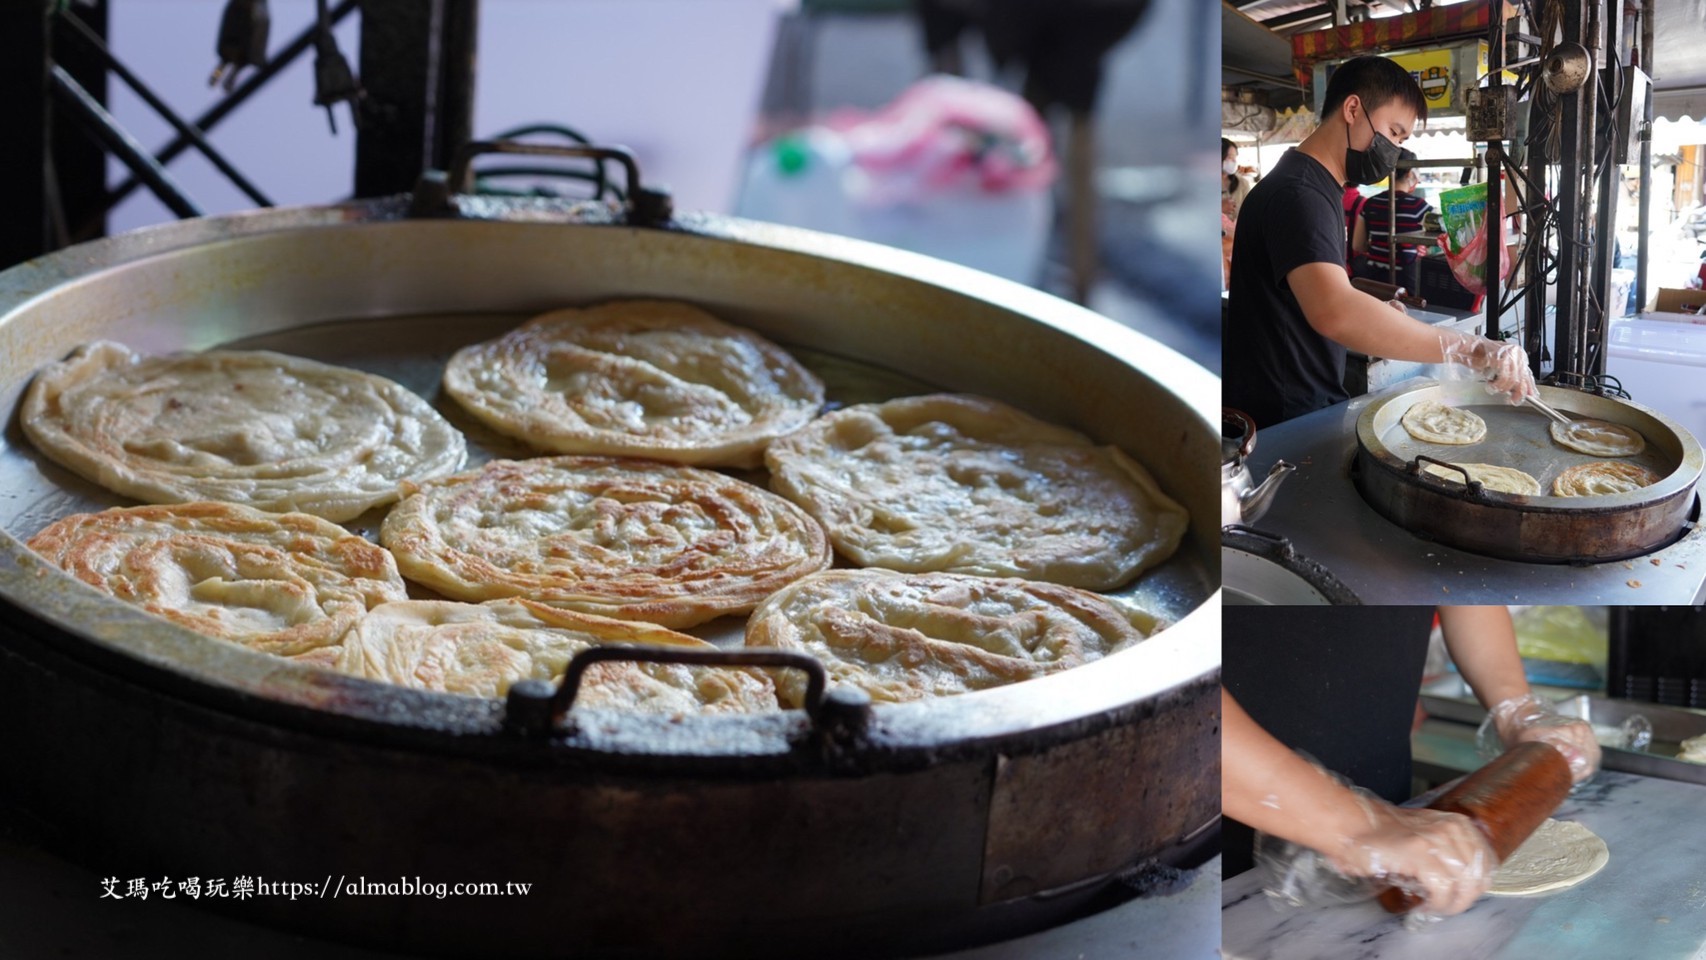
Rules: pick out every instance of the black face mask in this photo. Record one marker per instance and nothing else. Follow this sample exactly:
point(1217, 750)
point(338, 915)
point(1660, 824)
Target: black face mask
point(1374, 164)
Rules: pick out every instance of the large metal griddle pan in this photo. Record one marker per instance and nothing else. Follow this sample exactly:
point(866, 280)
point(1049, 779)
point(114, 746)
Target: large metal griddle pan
point(943, 823)
point(1541, 528)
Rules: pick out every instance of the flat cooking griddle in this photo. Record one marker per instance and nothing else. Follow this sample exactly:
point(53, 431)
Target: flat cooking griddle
point(1517, 437)
point(413, 351)
point(1388, 472)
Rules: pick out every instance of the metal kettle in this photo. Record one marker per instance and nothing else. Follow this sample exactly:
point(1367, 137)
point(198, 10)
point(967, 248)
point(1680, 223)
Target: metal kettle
point(1242, 500)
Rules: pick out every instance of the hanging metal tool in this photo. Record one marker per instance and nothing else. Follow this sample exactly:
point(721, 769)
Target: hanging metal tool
point(334, 81)
point(242, 40)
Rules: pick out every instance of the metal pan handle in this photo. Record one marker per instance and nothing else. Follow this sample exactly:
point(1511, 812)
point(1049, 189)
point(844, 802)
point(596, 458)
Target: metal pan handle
point(535, 708)
point(1244, 424)
point(1471, 486)
point(646, 207)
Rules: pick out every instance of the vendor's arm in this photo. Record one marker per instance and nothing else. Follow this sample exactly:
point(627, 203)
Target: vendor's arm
point(1353, 319)
point(1347, 316)
point(1267, 786)
point(1482, 641)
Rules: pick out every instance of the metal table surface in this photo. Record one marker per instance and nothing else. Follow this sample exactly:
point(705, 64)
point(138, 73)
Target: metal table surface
point(1320, 511)
point(1648, 902)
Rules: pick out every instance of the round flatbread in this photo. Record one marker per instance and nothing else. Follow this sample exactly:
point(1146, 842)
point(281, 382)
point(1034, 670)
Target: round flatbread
point(1693, 750)
point(1597, 438)
point(906, 637)
point(965, 484)
point(639, 378)
point(262, 429)
point(1602, 477)
point(1434, 422)
point(281, 583)
point(481, 649)
point(626, 538)
point(1559, 854)
point(1491, 476)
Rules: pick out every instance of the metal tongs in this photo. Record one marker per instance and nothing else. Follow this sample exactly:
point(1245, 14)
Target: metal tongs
point(1546, 408)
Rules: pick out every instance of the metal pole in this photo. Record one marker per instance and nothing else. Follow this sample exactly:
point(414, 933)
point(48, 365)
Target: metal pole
point(1569, 197)
point(1604, 232)
point(79, 165)
point(1643, 250)
point(1495, 165)
point(24, 230)
point(1592, 295)
point(256, 79)
point(100, 124)
point(165, 110)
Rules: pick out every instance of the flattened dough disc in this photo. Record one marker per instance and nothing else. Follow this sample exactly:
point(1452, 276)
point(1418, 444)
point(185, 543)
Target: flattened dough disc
point(1434, 422)
point(1560, 854)
point(1597, 438)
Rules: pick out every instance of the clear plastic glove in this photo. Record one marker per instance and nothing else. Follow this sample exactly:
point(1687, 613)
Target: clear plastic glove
point(1442, 858)
point(1502, 364)
point(1529, 717)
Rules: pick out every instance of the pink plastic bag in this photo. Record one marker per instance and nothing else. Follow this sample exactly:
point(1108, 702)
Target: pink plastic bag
point(1469, 265)
point(945, 133)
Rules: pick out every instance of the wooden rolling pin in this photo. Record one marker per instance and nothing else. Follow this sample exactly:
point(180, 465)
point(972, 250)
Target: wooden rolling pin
point(1386, 291)
point(1508, 799)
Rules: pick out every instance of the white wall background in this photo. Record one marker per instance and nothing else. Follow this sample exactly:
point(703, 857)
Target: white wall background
point(678, 81)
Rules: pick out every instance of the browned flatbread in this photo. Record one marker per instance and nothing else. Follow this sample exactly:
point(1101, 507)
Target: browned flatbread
point(481, 649)
point(631, 539)
point(1602, 477)
point(281, 583)
point(965, 484)
point(636, 378)
point(262, 429)
point(906, 637)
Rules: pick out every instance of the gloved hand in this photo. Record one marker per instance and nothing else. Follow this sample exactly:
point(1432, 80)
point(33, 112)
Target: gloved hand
point(1443, 858)
point(1503, 364)
point(1529, 717)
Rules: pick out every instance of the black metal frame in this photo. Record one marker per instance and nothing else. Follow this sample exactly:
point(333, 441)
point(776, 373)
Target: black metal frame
point(417, 62)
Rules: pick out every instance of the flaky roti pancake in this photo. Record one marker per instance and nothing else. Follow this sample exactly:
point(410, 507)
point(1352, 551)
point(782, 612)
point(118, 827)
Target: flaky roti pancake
point(1434, 422)
point(966, 484)
point(632, 539)
point(1597, 438)
point(636, 378)
point(906, 637)
point(1490, 476)
point(1602, 477)
point(481, 649)
point(254, 427)
point(281, 583)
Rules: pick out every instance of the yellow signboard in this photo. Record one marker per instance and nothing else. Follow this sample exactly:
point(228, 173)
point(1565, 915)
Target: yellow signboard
point(1432, 69)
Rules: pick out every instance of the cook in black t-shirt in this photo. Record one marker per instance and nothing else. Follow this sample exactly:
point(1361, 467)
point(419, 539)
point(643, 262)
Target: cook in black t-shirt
point(1291, 310)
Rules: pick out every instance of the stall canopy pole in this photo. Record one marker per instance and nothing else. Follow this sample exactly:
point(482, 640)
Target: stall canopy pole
point(1569, 196)
point(1495, 163)
point(1604, 249)
point(1642, 250)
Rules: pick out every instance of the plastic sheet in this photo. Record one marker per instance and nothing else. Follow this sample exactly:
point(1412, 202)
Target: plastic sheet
point(1440, 857)
point(1501, 365)
point(1529, 717)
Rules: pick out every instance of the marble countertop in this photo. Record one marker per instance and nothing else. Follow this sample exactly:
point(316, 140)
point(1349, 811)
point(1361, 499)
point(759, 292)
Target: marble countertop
point(1648, 902)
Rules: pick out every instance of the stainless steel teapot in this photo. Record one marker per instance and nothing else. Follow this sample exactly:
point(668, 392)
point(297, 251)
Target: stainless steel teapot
point(1242, 500)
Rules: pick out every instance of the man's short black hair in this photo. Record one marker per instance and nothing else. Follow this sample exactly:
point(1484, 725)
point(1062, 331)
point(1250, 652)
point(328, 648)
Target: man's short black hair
point(1376, 81)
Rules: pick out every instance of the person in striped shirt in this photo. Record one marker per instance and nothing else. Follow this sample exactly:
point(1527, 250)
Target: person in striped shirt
point(1371, 241)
